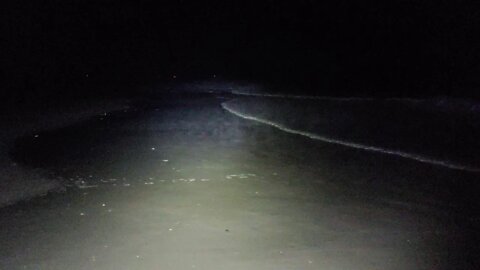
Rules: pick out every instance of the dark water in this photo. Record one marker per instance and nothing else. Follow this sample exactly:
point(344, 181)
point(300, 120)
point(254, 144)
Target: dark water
point(179, 183)
point(413, 128)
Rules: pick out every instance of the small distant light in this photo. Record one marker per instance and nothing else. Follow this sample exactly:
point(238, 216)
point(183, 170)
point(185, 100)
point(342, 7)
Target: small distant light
point(86, 75)
point(174, 76)
point(153, 148)
point(214, 75)
point(36, 136)
point(165, 160)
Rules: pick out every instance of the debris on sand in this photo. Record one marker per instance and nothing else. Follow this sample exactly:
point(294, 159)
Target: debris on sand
point(83, 185)
point(111, 180)
point(240, 176)
point(87, 186)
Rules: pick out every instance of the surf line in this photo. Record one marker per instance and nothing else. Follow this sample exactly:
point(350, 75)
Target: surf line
point(327, 98)
point(313, 136)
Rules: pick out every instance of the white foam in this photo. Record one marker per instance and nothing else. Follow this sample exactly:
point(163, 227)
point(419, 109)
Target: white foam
point(310, 135)
point(236, 92)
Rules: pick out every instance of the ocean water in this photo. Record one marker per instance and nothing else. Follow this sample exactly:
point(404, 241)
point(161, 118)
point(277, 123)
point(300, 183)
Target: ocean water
point(441, 132)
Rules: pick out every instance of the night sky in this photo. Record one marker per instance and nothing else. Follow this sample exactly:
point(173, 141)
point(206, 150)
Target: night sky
point(344, 48)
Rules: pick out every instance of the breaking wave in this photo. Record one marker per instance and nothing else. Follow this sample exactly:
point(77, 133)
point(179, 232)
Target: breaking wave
point(311, 135)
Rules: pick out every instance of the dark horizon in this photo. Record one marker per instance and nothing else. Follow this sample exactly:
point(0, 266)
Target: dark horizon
point(58, 49)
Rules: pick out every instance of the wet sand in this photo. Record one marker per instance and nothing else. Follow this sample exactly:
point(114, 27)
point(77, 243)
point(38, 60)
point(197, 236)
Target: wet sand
point(182, 184)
